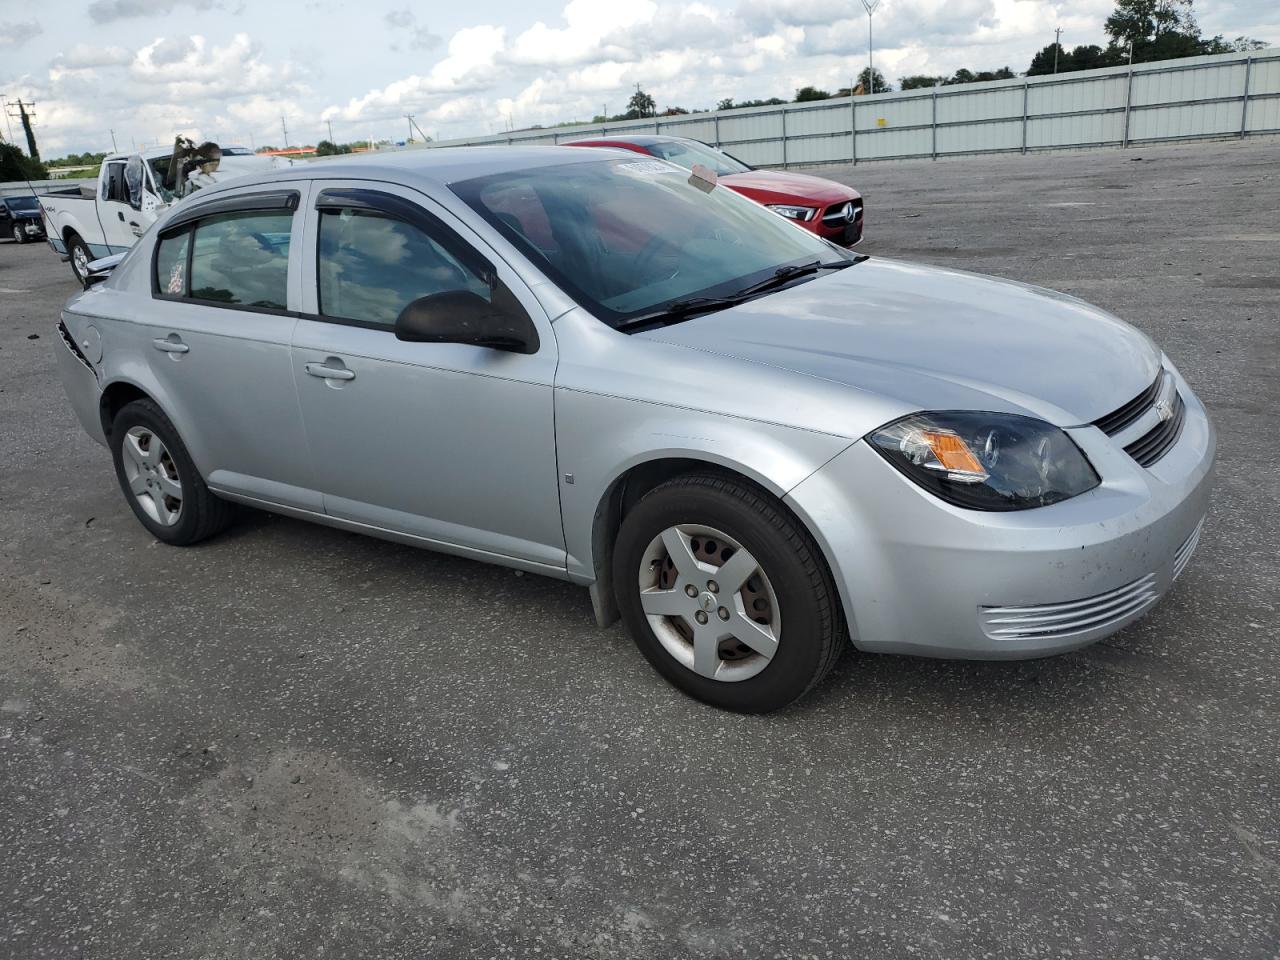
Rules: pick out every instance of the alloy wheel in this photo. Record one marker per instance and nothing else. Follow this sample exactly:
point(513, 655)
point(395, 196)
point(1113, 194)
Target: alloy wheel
point(80, 262)
point(152, 476)
point(709, 603)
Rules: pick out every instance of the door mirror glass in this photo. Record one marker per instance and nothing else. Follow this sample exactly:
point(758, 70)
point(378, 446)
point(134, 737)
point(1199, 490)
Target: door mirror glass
point(461, 316)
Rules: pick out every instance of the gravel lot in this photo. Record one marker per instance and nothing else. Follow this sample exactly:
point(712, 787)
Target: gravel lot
point(293, 741)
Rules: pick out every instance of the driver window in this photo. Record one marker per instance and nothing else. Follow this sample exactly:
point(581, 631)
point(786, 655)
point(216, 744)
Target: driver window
point(372, 266)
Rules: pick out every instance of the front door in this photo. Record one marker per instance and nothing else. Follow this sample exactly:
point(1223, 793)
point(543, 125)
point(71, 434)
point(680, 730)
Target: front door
point(450, 443)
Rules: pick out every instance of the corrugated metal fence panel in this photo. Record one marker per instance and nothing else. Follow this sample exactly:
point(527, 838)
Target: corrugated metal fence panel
point(1205, 83)
point(1078, 130)
point(977, 138)
point(1172, 99)
point(1001, 103)
point(1263, 115)
point(825, 119)
point(1264, 77)
point(1186, 120)
point(1103, 93)
point(881, 112)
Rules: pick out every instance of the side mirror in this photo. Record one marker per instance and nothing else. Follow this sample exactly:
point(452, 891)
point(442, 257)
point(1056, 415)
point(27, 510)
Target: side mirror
point(460, 316)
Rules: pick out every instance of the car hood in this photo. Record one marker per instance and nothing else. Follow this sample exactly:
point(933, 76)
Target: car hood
point(934, 339)
point(782, 185)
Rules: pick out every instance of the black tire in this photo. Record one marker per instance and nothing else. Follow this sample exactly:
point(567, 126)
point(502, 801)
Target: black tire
point(813, 634)
point(73, 243)
point(201, 514)
point(19, 235)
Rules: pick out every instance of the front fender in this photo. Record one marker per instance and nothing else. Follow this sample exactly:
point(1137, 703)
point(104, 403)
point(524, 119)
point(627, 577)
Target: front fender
point(601, 438)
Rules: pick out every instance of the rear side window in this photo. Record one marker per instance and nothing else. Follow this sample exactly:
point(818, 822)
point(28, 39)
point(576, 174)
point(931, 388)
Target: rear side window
point(113, 186)
point(231, 258)
point(372, 266)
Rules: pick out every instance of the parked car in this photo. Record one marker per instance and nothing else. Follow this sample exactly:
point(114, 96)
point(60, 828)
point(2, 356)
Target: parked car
point(83, 225)
point(756, 447)
point(829, 209)
point(20, 218)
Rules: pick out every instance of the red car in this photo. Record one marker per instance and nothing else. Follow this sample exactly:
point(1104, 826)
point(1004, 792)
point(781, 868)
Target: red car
point(831, 210)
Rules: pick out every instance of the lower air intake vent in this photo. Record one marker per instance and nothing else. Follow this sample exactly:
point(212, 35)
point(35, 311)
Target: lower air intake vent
point(1061, 620)
point(1183, 555)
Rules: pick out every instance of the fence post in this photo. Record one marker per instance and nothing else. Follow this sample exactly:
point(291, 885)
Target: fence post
point(933, 125)
point(1128, 100)
point(1244, 103)
point(853, 128)
point(717, 120)
point(784, 138)
point(1025, 87)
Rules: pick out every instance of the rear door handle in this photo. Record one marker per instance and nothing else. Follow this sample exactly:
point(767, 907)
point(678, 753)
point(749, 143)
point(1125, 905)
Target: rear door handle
point(166, 345)
point(326, 372)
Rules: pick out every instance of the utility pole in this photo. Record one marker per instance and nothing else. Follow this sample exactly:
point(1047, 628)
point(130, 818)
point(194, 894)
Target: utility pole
point(1057, 45)
point(871, 6)
point(25, 119)
point(414, 126)
point(114, 148)
point(329, 123)
point(286, 131)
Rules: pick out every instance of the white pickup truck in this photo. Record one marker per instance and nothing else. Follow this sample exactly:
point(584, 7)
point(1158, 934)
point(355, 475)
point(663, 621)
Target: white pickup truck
point(84, 224)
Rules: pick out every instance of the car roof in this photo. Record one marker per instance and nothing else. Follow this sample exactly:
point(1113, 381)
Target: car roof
point(436, 166)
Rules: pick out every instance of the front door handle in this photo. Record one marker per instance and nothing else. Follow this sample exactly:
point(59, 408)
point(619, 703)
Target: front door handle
point(326, 372)
point(120, 214)
point(166, 345)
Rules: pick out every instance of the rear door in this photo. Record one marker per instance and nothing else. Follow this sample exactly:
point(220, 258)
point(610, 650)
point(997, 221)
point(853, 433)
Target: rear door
point(224, 279)
point(451, 443)
point(115, 214)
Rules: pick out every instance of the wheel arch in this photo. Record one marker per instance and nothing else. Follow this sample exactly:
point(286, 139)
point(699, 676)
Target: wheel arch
point(114, 398)
point(633, 481)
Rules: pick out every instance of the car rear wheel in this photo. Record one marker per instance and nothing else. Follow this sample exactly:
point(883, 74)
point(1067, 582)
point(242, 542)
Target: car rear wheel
point(159, 479)
point(726, 594)
point(80, 258)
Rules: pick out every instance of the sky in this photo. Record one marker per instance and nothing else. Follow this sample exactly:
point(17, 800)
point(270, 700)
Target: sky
point(229, 70)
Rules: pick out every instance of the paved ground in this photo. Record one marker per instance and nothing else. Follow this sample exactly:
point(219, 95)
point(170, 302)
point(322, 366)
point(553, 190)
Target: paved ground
point(294, 741)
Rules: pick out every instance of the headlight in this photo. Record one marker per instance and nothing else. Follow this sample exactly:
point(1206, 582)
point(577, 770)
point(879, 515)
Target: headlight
point(793, 212)
point(986, 461)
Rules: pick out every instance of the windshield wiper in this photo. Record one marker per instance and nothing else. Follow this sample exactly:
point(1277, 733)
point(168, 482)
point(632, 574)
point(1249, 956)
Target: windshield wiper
point(791, 272)
point(678, 310)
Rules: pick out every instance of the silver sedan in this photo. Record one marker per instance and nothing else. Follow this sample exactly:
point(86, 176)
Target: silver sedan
point(753, 446)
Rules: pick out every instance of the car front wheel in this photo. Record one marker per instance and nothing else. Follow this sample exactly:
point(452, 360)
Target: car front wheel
point(726, 594)
point(19, 235)
point(159, 479)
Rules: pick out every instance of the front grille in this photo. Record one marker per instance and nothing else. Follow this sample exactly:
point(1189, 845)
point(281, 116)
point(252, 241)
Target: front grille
point(838, 214)
point(1183, 555)
point(1117, 420)
point(1050, 621)
point(1154, 444)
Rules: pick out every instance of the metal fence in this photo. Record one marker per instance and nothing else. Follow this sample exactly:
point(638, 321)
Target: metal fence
point(1227, 95)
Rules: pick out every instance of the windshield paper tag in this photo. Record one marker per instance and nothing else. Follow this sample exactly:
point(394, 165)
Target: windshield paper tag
point(646, 168)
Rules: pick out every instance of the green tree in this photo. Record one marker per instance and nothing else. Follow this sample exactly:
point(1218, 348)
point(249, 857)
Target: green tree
point(16, 165)
point(919, 81)
point(805, 94)
point(873, 82)
point(725, 104)
point(327, 148)
point(641, 105)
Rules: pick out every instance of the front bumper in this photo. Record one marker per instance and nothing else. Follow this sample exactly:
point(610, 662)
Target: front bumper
point(919, 576)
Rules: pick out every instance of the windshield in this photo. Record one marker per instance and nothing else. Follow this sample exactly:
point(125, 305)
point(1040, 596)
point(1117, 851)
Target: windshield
point(627, 237)
point(22, 204)
point(687, 152)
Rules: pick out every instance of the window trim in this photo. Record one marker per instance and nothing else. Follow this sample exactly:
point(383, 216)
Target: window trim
point(188, 220)
point(394, 207)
